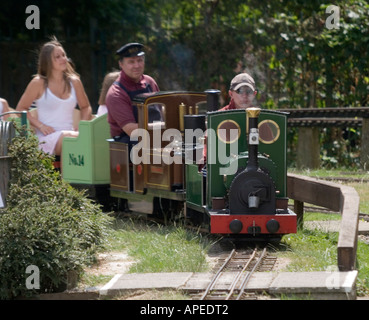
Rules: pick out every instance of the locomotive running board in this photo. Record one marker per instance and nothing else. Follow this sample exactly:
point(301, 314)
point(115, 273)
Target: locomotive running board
point(144, 202)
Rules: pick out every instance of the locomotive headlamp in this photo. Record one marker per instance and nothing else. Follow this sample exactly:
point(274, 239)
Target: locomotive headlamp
point(254, 136)
point(254, 201)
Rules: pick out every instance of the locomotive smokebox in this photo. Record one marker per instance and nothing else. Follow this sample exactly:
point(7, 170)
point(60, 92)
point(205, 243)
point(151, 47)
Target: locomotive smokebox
point(212, 99)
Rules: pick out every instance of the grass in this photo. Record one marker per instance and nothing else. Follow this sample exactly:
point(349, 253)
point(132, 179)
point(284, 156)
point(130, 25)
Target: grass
point(318, 216)
point(362, 189)
point(90, 280)
point(158, 248)
point(317, 173)
point(363, 267)
point(309, 250)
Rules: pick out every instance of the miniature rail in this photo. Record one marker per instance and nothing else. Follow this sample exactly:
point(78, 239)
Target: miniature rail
point(323, 117)
point(356, 112)
point(240, 266)
point(324, 122)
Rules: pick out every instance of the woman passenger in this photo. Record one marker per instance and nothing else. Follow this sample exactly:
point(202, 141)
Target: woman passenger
point(56, 90)
point(108, 81)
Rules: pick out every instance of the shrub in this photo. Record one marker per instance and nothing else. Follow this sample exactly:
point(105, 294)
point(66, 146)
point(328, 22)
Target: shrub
point(47, 224)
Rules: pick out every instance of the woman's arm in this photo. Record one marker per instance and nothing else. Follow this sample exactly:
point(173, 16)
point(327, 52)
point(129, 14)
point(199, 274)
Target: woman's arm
point(82, 99)
point(33, 92)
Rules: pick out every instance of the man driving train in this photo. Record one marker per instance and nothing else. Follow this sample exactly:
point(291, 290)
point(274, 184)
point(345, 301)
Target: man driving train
point(122, 115)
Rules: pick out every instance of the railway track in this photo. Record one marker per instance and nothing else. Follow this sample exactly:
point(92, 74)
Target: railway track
point(234, 273)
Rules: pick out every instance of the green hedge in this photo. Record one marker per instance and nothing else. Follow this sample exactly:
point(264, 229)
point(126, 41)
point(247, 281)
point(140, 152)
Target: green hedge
point(46, 224)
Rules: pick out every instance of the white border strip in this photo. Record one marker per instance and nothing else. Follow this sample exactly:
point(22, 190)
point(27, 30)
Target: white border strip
point(104, 290)
point(350, 280)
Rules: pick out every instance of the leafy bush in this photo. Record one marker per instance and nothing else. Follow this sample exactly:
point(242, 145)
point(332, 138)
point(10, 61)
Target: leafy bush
point(47, 224)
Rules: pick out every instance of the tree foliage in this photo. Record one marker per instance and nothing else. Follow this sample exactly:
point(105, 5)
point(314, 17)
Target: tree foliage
point(296, 60)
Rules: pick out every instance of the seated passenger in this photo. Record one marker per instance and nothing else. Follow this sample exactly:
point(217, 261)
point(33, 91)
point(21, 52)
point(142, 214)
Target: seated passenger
point(4, 107)
point(108, 81)
point(56, 90)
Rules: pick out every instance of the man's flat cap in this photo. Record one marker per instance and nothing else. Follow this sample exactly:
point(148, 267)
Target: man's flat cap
point(131, 50)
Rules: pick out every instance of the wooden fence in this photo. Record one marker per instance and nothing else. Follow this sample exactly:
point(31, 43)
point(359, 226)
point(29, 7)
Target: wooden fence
point(310, 120)
point(335, 197)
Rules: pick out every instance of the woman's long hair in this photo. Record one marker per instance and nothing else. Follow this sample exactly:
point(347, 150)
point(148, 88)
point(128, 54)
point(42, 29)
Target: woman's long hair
point(45, 64)
point(108, 81)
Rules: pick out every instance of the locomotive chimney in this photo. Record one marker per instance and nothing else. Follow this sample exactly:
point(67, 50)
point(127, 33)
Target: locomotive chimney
point(212, 99)
point(253, 138)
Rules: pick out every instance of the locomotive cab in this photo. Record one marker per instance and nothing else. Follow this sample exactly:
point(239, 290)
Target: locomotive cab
point(154, 168)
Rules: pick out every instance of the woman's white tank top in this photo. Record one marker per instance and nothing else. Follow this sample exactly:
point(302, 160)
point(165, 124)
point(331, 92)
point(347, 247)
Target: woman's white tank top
point(56, 112)
point(1, 107)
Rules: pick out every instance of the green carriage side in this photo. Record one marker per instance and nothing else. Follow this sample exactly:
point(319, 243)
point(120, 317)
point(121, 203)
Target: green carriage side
point(85, 159)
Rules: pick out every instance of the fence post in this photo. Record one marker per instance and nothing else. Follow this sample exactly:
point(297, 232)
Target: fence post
point(308, 148)
point(298, 208)
point(364, 147)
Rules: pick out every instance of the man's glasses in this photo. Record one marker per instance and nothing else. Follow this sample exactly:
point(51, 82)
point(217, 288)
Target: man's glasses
point(244, 90)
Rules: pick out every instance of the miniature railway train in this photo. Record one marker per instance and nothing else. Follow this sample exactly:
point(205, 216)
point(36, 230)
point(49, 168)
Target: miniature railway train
point(240, 190)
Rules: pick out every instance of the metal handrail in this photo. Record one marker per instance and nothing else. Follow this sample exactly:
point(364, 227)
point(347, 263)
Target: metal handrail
point(22, 113)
